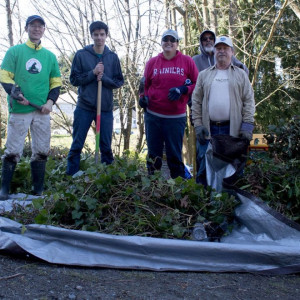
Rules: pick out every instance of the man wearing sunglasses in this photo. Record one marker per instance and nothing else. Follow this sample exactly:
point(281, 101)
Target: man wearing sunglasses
point(170, 79)
point(207, 58)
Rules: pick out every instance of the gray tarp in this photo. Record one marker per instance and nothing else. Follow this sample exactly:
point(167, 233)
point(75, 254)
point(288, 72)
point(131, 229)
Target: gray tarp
point(264, 242)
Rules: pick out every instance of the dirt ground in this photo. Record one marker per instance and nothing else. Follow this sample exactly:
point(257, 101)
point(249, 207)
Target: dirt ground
point(22, 278)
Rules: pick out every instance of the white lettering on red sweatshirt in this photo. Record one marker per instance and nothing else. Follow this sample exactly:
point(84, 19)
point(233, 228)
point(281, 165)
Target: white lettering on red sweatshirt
point(161, 75)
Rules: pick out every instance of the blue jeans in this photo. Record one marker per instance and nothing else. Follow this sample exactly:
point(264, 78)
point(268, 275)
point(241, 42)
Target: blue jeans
point(201, 150)
point(82, 121)
point(168, 132)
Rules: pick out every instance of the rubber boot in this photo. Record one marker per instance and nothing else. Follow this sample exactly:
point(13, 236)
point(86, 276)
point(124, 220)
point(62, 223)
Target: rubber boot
point(38, 168)
point(8, 168)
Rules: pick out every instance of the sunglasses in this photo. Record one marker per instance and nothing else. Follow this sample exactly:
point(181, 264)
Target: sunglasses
point(169, 39)
point(207, 38)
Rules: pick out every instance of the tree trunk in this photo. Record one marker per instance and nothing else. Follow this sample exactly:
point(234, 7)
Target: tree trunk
point(233, 30)
point(167, 12)
point(9, 23)
point(213, 16)
point(128, 129)
point(205, 15)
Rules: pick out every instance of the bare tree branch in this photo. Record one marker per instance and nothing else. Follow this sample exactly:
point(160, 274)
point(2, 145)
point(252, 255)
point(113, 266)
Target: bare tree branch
point(264, 48)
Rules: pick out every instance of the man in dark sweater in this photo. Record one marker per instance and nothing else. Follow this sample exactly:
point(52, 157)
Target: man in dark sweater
point(91, 64)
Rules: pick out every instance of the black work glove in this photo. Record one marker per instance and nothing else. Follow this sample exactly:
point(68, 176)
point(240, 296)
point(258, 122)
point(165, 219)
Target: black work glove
point(142, 86)
point(16, 92)
point(246, 130)
point(143, 101)
point(176, 92)
point(201, 133)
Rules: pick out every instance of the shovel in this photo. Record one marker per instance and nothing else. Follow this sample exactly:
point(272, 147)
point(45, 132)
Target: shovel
point(98, 121)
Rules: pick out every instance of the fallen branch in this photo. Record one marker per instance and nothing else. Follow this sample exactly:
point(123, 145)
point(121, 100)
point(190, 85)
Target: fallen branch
point(12, 276)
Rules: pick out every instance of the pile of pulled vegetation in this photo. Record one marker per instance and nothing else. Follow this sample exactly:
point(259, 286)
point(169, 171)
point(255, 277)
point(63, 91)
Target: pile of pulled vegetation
point(274, 176)
point(123, 199)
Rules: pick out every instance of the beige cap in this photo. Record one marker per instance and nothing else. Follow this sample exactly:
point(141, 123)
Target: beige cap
point(223, 39)
point(170, 32)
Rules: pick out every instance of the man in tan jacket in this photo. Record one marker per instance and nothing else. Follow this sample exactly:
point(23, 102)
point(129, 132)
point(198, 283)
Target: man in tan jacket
point(222, 101)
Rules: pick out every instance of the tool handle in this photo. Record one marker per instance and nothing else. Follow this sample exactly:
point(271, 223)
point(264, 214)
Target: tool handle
point(35, 106)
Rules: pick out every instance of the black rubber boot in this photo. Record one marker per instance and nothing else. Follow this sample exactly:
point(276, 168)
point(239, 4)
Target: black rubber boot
point(38, 168)
point(8, 168)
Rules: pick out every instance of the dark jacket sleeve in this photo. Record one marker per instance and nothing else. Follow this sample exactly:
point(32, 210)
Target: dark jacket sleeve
point(78, 76)
point(7, 87)
point(53, 94)
point(116, 80)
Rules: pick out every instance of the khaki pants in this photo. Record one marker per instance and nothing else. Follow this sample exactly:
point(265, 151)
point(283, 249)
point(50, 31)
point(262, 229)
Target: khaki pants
point(17, 129)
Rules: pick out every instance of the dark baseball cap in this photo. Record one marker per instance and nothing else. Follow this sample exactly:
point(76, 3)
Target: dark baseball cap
point(35, 18)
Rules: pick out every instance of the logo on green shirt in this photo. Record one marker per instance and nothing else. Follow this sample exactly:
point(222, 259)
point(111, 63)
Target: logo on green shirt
point(33, 66)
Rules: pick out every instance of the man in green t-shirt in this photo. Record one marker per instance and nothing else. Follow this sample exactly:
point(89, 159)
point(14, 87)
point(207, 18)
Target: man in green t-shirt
point(30, 75)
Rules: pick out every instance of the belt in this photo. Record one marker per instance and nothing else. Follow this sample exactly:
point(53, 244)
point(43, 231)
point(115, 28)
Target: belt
point(219, 123)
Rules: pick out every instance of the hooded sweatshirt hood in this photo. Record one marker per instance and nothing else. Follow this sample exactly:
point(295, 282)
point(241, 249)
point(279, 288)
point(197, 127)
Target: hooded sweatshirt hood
point(82, 76)
point(200, 44)
point(204, 60)
point(90, 49)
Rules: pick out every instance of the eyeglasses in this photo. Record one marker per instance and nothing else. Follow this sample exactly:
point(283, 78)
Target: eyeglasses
point(169, 39)
point(204, 39)
point(37, 26)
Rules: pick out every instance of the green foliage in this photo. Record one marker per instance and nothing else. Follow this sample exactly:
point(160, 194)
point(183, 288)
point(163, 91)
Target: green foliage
point(21, 182)
point(284, 139)
point(276, 86)
point(277, 183)
point(277, 74)
point(123, 199)
point(275, 176)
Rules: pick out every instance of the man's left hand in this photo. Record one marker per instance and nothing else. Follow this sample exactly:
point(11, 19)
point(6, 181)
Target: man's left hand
point(143, 102)
point(246, 130)
point(176, 92)
point(47, 108)
point(246, 135)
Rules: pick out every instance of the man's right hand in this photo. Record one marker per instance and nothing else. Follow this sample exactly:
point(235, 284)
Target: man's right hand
point(22, 100)
point(99, 70)
point(201, 133)
point(143, 101)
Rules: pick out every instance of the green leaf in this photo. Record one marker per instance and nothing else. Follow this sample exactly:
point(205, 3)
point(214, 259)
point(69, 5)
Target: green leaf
point(23, 230)
point(122, 175)
point(76, 215)
point(42, 217)
point(146, 182)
